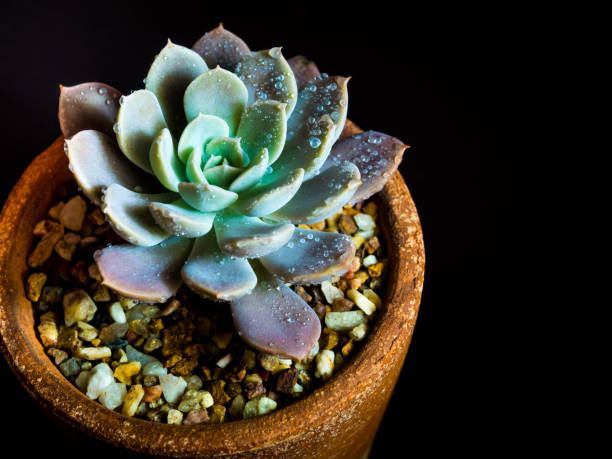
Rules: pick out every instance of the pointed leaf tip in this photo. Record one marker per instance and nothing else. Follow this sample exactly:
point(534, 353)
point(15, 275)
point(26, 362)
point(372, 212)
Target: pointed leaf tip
point(377, 156)
point(221, 47)
point(88, 106)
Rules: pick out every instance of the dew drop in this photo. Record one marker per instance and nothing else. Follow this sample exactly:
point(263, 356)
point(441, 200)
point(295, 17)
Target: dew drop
point(314, 142)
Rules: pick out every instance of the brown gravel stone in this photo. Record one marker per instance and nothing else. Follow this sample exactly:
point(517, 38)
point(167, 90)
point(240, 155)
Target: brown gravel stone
point(342, 304)
point(303, 294)
point(58, 355)
point(96, 217)
point(320, 310)
point(253, 389)
point(172, 306)
point(196, 417)
point(346, 224)
point(217, 390)
point(34, 285)
point(217, 414)
point(152, 393)
point(44, 248)
point(73, 213)
point(287, 380)
point(79, 272)
point(372, 244)
point(328, 340)
point(185, 366)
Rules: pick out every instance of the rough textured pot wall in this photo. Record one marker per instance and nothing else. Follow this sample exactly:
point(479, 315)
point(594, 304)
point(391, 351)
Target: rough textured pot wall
point(338, 420)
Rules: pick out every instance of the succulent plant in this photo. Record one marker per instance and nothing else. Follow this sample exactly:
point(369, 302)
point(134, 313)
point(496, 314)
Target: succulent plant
point(244, 144)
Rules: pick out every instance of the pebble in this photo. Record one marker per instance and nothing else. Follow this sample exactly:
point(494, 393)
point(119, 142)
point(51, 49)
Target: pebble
point(258, 407)
point(58, 355)
point(172, 306)
point(359, 332)
point(175, 417)
point(155, 368)
point(93, 353)
point(370, 260)
point(361, 301)
point(132, 400)
point(372, 296)
point(70, 367)
point(113, 395)
point(117, 313)
point(86, 332)
point(48, 333)
point(82, 380)
point(365, 222)
point(237, 407)
point(172, 386)
point(194, 399)
point(100, 377)
point(44, 248)
point(152, 393)
point(196, 417)
point(151, 344)
point(344, 321)
point(68, 339)
point(64, 249)
point(324, 364)
point(34, 285)
point(125, 372)
point(217, 414)
point(113, 332)
point(330, 291)
point(78, 305)
point(73, 213)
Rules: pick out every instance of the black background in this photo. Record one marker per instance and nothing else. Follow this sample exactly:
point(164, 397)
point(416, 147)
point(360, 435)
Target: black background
point(429, 78)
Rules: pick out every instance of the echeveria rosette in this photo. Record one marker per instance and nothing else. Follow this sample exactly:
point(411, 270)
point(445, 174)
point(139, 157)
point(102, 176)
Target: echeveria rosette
point(206, 171)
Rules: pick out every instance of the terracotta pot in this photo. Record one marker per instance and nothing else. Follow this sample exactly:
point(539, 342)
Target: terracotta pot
point(338, 420)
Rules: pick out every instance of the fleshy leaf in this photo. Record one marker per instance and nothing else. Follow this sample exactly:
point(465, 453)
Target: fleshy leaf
point(377, 156)
point(180, 219)
point(321, 196)
point(263, 125)
point(267, 76)
point(217, 92)
point(213, 161)
point(128, 213)
point(222, 175)
point(251, 177)
point(311, 257)
point(308, 148)
point(164, 161)
point(194, 167)
point(221, 47)
point(270, 195)
point(250, 237)
point(206, 197)
point(304, 70)
point(199, 132)
point(149, 274)
point(96, 163)
point(172, 71)
point(88, 106)
point(274, 319)
point(323, 96)
point(139, 120)
point(230, 148)
point(215, 274)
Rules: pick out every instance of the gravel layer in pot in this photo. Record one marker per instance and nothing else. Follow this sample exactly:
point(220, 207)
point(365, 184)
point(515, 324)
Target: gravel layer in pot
point(182, 361)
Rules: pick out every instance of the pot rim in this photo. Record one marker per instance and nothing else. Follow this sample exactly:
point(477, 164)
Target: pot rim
point(391, 333)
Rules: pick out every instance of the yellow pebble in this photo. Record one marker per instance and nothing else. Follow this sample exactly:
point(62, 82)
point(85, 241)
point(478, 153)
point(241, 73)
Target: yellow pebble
point(358, 239)
point(35, 284)
point(125, 372)
point(304, 226)
point(96, 342)
point(370, 209)
point(375, 270)
point(319, 226)
point(132, 400)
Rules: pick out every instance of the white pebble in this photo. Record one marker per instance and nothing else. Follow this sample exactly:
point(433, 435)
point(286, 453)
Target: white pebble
point(370, 260)
point(113, 395)
point(101, 376)
point(258, 406)
point(224, 361)
point(331, 292)
point(155, 368)
point(117, 312)
point(172, 387)
point(343, 321)
point(359, 332)
point(175, 417)
point(324, 364)
point(364, 221)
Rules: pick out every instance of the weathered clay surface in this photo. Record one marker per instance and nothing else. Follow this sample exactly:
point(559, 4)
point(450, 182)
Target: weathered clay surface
point(338, 420)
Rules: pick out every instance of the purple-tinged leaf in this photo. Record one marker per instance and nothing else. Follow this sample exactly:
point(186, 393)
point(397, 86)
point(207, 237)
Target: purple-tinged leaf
point(88, 106)
point(377, 156)
point(310, 257)
point(215, 274)
point(304, 70)
point(149, 274)
point(273, 318)
point(221, 47)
